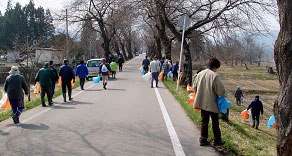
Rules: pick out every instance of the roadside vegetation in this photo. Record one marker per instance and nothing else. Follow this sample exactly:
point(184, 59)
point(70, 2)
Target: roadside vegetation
point(241, 138)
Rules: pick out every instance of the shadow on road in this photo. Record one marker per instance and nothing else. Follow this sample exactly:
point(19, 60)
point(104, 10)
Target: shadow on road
point(61, 107)
point(34, 127)
point(3, 133)
point(93, 90)
point(115, 89)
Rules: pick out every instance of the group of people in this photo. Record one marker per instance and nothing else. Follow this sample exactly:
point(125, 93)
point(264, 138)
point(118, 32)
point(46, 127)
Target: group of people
point(157, 66)
point(15, 85)
point(208, 87)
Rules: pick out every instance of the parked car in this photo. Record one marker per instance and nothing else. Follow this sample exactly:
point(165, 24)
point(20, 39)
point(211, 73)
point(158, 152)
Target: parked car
point(93, 67)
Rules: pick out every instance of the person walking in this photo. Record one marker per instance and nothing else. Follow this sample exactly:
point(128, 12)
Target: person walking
point(14, 86)
point(208, 86)
point(121, 61)
point(145, 64)
point(155, 69)
point(55, 80)
point(165, 69)
point(111, 58)
point(104, 69)
point(67, 75)
point(238, 95)
point(45, 77)
point(114, 68)
point(256, 107)
point(174, 71)
point(81, 72)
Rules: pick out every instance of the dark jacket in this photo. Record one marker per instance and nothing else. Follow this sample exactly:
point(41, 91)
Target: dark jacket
point(174, 68)
point(67, 74)
point(81, 71)
point(45, 76)
point(256, 107)
point(120, 61)
point(108, 69)
point(165, 68)
point(14, 85)
point(238, 93)
point(56, 75)
point(145, 62)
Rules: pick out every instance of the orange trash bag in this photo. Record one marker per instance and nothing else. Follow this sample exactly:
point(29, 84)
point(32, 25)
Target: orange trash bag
point(73, 82)
point(192, 99)
point(37, 88)
point(5, 103)
point(140, 69)
point(189, 88)
point(60, 81)
point(245, 116)
point(161, 75)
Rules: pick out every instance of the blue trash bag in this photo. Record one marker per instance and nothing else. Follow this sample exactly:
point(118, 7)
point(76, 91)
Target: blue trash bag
point(169, 74)
point(223, 104)
point(33, 87)
point(143, 72)
point(271, 121)
point(96, 79)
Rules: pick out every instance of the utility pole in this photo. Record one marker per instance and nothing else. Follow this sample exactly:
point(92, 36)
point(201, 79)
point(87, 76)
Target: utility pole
point(27, 72)
point(67, 34)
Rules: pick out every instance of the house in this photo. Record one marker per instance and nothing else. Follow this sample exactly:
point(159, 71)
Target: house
point(47, 54)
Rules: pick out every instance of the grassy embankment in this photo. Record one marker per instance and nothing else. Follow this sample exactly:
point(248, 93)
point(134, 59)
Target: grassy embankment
point(241, 138)
point(35, 101)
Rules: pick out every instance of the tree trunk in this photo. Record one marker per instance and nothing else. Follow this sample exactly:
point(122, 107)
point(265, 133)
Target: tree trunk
point(124, 51)
point(187, 66)
point(167, 46)
point(158, 47)
point(283, 59)
point(116, 47)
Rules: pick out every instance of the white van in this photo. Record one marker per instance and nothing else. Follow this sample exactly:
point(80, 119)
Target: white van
point(93, 67)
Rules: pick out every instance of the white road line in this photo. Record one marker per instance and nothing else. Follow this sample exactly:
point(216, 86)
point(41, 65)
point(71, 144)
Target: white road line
point(177, 147)
point(38, 114)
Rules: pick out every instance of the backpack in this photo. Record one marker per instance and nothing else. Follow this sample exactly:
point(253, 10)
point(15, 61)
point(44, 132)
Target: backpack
point(104, 69)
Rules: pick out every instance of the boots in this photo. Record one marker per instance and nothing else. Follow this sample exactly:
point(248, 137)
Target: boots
point(253, 124)
point(69, 94)
point(15, 117)
point(43, 101)
point(50, 101)
point(64, 96)
point(104, 86)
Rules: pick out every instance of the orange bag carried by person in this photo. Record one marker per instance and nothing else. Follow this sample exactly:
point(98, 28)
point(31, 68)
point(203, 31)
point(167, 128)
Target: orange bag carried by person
point(189, 88)
point(161, 75)
point(245, 116)
point(73, 82)
point(140, 69)
point(37, 88)
point(5, 103)
point(60, 81)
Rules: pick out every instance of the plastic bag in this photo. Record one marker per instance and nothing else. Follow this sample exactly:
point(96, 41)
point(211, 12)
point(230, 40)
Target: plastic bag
point(223, 104)
point(33, 87)
point(161, 75)
point(73, 82)
point(60, 81)
point(143, 72)
point(169, 74)
point(246, 116)
point(242, 99)
point(140, 69)
point(189, 88)
point(96, 79)
point(272, 121)
point(192, 99)
point(37, 88)
point(147, 76)
point(5, 103)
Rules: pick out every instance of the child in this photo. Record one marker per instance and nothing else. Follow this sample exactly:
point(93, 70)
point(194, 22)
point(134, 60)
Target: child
point(114, 67)
point(256, 108)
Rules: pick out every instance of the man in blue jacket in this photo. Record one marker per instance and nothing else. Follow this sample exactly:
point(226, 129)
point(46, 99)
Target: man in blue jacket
point(81, 72)
point(146, 64)
point(256, 109)
point(174, 71)
point(67, 75)
point(104, 69)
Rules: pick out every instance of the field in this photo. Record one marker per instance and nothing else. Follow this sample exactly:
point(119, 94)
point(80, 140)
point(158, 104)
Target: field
point(241, 138)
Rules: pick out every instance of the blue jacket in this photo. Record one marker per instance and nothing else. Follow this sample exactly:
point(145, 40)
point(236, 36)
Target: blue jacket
point(67, 74)
point(145, 62)
point(256, 107)
point(108, 68)
point(81, 71)
point(174, 68)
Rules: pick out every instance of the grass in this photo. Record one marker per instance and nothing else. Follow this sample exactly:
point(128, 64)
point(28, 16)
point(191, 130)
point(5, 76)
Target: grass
point(36, 101)
point(241, 138)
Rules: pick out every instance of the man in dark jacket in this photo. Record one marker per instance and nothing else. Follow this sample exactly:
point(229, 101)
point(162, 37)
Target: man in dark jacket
point(81, 72)
point(146, 64)
point(174, 71)
point(55, 80)
point(14, 86)
point(45, 77)
point(256, 109)
point(67, 75)
point(121, 61)
point(238, 94)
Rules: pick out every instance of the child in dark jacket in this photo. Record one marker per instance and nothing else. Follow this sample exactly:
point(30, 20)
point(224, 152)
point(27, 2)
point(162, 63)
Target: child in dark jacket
point(256, 109)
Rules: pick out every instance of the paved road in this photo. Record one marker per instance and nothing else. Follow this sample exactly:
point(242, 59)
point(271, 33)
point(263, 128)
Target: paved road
point(127, 119)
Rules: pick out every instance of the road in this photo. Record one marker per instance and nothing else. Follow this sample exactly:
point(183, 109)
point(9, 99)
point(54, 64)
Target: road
point(127, 119)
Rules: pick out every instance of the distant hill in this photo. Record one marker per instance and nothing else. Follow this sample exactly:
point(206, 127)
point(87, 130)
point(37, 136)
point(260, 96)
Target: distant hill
point(267, 40)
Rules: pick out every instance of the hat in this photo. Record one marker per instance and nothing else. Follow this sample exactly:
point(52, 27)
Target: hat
point(238, 86)
point(257, 96)
point(156, 57)
point(14, 70)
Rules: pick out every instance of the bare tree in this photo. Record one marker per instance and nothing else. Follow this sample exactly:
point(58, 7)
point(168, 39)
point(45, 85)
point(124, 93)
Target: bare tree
point(283, 59)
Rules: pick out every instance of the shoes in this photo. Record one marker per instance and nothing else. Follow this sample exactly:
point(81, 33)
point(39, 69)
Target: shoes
point(14, 119)
point(257, 127)
point(253, 125)
point(220, 143)
point(151, 86)
point(44, 105)
point(156, 86)
point(204, 143)
point(70, 99)
point(51, 104)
